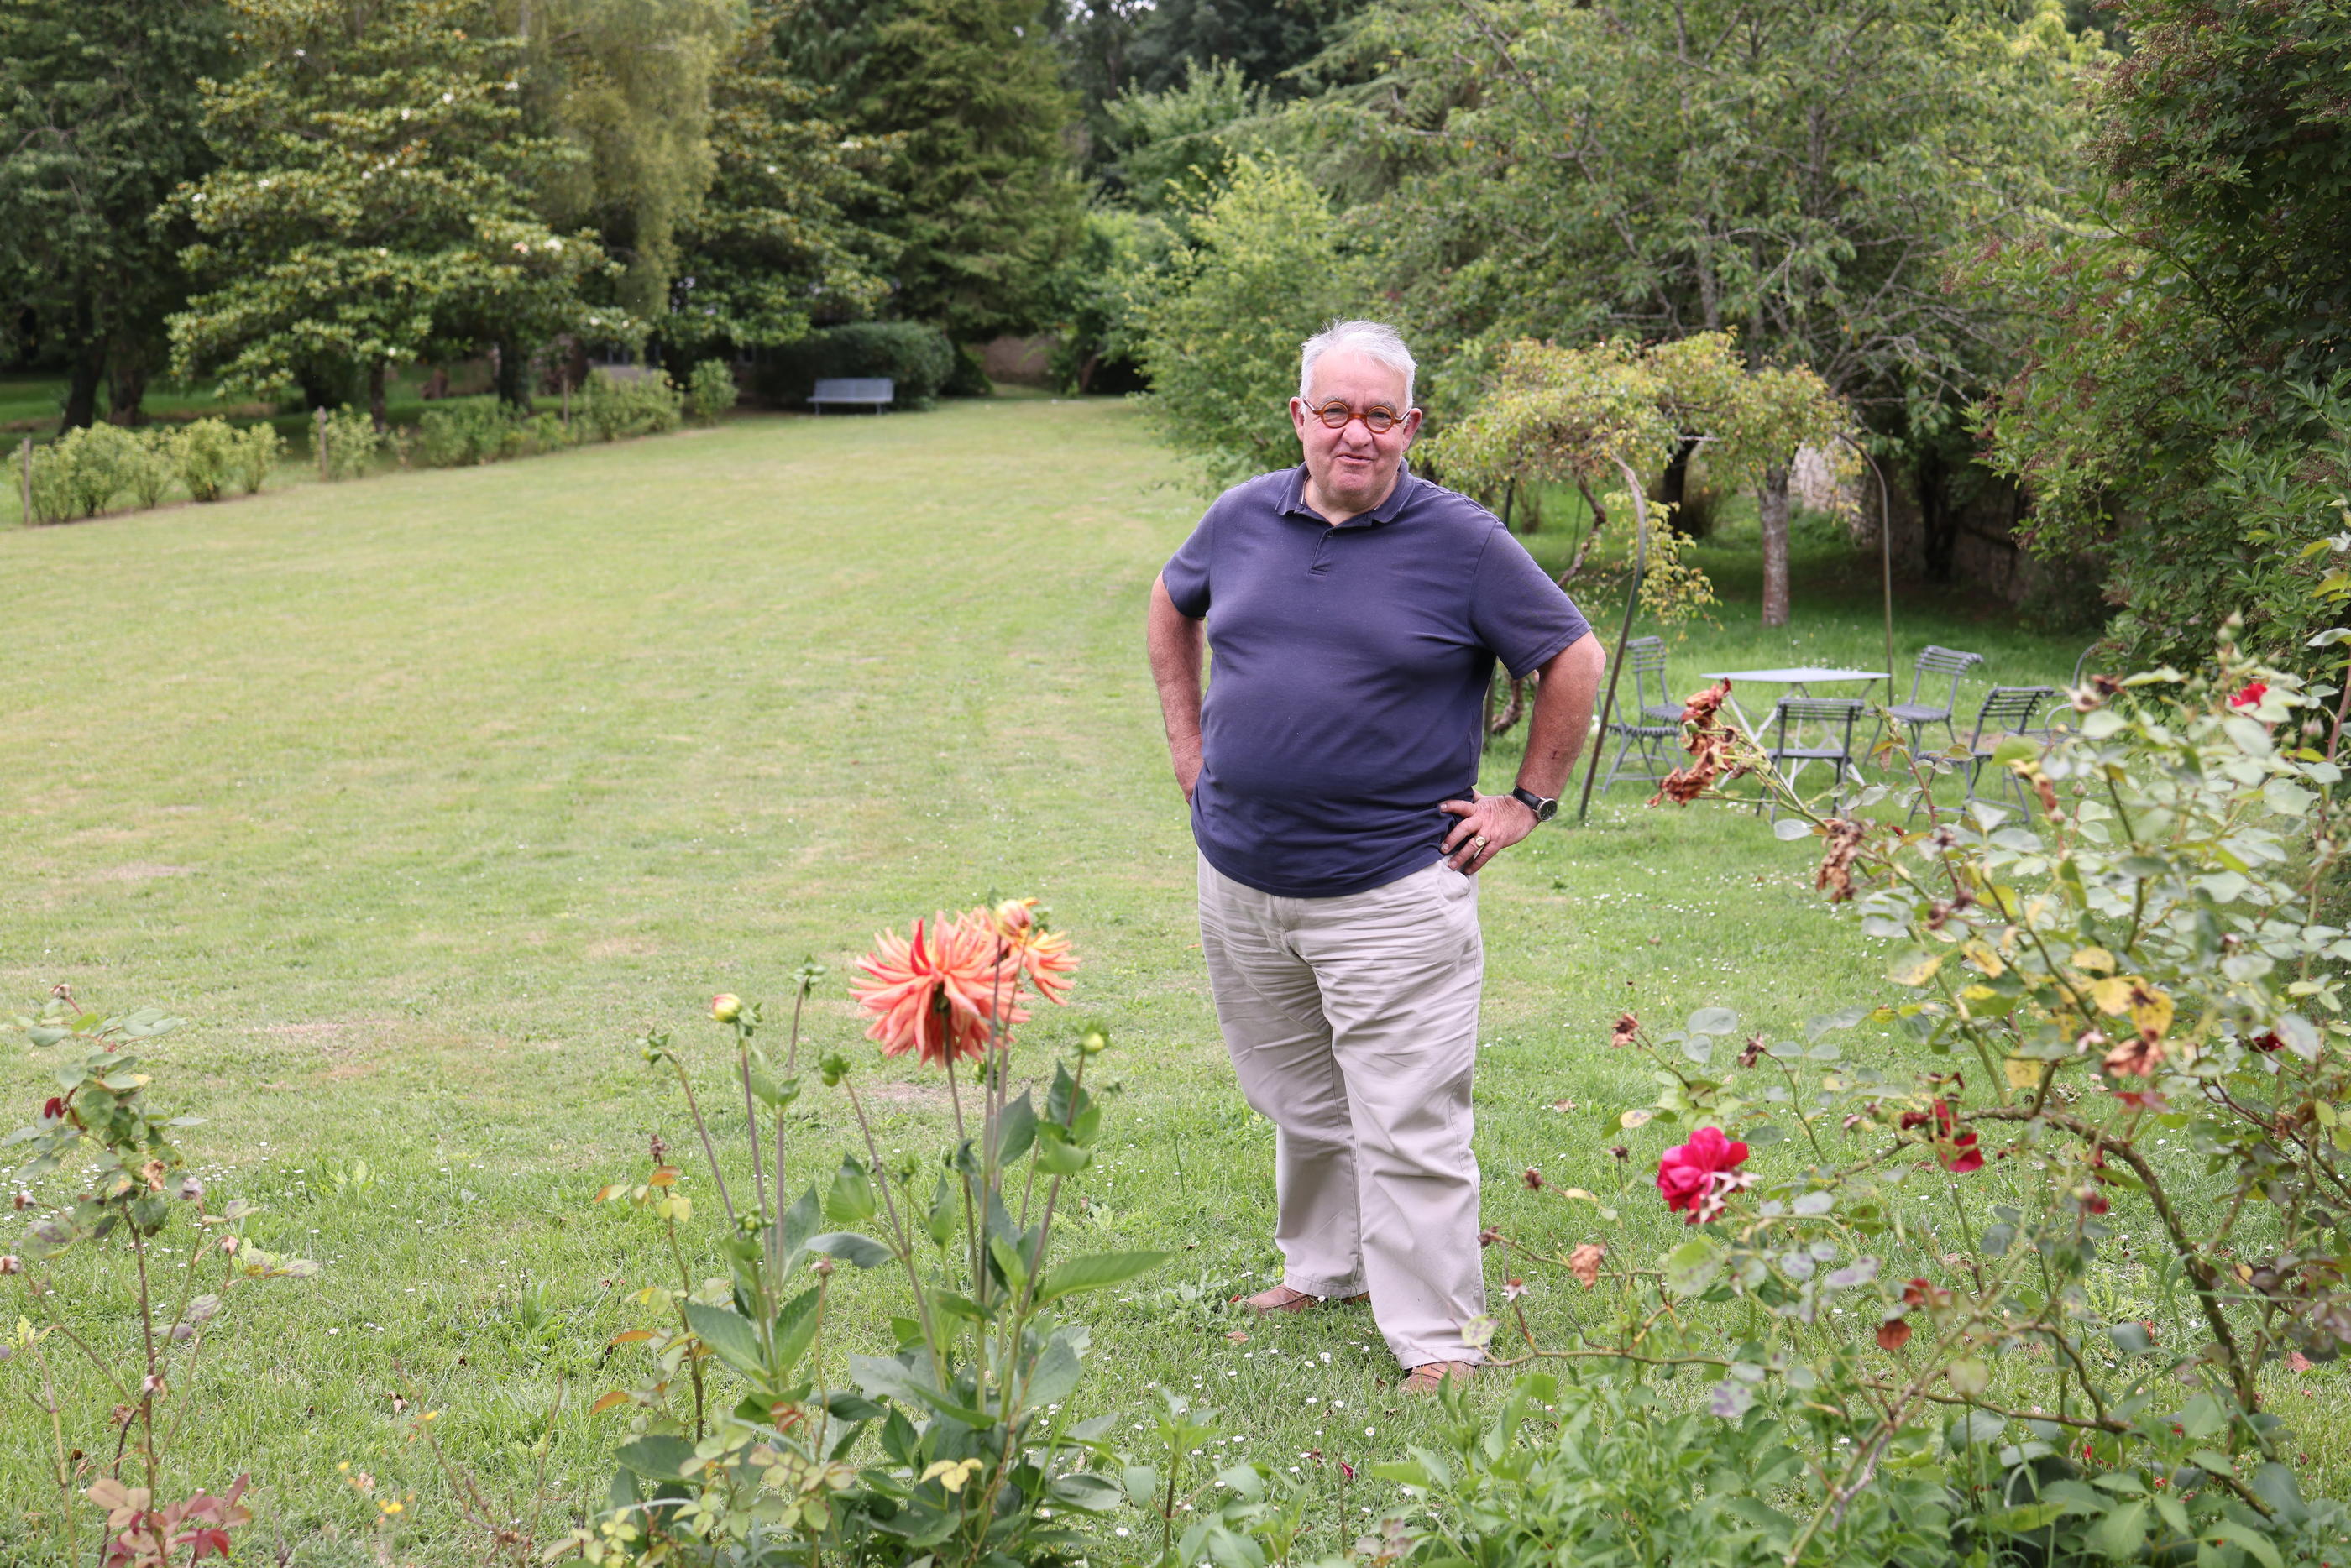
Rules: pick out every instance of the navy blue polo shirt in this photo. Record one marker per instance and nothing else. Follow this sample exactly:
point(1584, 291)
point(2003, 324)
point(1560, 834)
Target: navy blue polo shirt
point(1348, 682)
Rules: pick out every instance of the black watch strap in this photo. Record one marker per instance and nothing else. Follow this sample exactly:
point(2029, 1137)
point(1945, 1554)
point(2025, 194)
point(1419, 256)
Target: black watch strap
point(1543, 807)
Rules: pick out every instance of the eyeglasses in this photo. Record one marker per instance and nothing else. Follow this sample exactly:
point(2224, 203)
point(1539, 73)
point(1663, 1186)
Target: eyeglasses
point(1379, 418)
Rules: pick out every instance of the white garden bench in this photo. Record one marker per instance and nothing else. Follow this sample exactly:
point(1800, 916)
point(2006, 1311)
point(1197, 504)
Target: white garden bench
point(853, 391)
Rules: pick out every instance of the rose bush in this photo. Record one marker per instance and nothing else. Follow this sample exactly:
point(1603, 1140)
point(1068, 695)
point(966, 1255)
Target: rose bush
point(2135, 983)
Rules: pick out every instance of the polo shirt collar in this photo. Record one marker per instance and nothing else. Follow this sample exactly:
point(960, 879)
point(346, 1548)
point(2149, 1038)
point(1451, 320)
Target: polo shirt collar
point(1293, 499)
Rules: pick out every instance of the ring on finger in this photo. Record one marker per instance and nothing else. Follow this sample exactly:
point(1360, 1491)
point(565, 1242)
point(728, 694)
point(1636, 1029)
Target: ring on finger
point(1479, 841)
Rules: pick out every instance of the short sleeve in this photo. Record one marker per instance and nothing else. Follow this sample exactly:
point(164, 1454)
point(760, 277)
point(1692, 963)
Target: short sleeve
point(1186, 572)
point(1518, 611)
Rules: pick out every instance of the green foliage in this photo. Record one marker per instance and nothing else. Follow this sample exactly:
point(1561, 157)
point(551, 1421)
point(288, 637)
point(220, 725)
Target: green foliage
point(376, 201)
point(983, 202)
point(2139, 999)
point(99, 124)
point(1267, 266)
point(916, 356)
point(352, 443)
point(150, 472)
point(94, 464)
point(1624, 1474)
point(206, 452)
point(711, 393)
point(459, 434)
point(254, 456)
point(1096, 290)
point(973, 1455)
point(2185, 411)
point(771, 244)
point(1804, 173)
point(129, 1180)
point(628, 83)
point(610, 408)
point(1173, 149)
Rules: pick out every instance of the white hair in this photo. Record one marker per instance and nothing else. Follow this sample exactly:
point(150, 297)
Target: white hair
point(1373, 340)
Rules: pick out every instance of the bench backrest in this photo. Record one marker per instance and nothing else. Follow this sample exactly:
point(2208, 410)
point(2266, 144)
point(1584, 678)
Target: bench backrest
point(855, 389)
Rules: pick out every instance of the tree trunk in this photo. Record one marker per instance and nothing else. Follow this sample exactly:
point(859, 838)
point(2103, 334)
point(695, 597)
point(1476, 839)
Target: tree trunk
point(83, 377)
point(1673, 484)
point(1939, 529)
point(126, 383)
point(1772, 512)
point(376, 409)
point(513, 377)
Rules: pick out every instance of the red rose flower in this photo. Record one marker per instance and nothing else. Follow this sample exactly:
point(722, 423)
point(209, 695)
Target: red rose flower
point(1954, 1149)
point(1690, 1175)
point(2250, 696)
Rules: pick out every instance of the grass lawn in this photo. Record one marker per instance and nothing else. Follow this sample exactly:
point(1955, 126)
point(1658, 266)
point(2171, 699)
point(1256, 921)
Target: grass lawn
point(423, 797)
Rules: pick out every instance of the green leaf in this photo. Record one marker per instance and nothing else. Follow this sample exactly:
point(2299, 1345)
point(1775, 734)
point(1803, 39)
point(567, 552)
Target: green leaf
point(772, 1092)
point(1713, 1021)
point(1017, 1129)
point(1094, 1273)
point(851, 1199)
point(1057, 1370)
point(860, 1251)
point(1787, 829)
point(800, 1221)
point(1056, 1154)
point(2119, 1535)
point(2130, 1338)
point(1970, 1375)
point(794, 1331)
point(733, 1337)
point(657, 1458)
point(1691, 1267)
point(2252, 1541)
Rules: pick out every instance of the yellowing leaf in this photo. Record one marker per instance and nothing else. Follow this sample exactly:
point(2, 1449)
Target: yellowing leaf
point(1979, 952)
point(2022, 1072)
point(608, 1402)
point(2113, 995)
point(1915, 968)
point(2151, 1010)
point(665, 1177)
point(2093, 961)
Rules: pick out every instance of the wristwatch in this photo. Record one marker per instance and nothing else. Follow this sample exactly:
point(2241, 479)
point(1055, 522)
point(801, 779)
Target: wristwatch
point(1543, 807)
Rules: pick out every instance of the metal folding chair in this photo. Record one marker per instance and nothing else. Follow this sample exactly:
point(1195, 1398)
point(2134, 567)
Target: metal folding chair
point(2007, 710)
point(1935, 662)
point(1833, 716)
point(1653, 722)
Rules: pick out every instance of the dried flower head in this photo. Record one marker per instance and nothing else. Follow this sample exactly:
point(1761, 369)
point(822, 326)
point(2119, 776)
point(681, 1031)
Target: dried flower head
point(1835, 873)
point(1627, 1027)
point(1585, 1263)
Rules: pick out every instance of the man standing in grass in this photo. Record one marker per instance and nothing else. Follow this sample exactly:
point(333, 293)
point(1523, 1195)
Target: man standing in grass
point(1357, 612)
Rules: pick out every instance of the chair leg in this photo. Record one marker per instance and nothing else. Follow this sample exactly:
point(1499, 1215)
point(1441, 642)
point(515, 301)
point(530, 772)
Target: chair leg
point(1624, 745)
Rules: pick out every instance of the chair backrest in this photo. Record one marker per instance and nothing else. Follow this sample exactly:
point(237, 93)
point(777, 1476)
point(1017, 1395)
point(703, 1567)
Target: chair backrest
point(2008, 709)
point(1648, 656)
point(1950, 661)
point(1845, 711)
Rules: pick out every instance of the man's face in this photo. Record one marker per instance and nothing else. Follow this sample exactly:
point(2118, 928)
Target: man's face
point(1353, 470)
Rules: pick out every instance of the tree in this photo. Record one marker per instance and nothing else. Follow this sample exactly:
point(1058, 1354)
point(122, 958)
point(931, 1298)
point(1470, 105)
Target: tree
point(629, 82)
point(99, 121)
point(771, 246)
point(1268, 264)
point(983, 198)
point(374, 202)
point(2186, 413)
point(1803, 172)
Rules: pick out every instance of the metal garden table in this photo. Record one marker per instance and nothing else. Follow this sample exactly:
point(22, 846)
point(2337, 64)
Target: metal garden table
point(1798, 680)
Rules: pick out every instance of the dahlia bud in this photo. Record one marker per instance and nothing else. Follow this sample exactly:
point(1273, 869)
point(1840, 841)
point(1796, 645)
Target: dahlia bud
point(1093, 1042)
point(725, 1007)
point(822, 1268)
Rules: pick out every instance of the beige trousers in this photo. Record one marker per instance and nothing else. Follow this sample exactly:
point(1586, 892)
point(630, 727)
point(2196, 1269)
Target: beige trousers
point(1353, 1023)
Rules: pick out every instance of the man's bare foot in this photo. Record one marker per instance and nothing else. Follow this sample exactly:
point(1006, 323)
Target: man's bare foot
point(1281, 1298)
point(1428, 1378)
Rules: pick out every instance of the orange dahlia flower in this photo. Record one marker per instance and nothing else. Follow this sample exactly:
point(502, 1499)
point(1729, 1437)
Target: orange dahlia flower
point(1044, 957)
point(939, 994)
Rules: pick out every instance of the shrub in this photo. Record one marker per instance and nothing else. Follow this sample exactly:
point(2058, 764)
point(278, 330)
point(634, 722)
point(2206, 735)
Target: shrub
point(206, 451)
point(257, 451)
point(351, 443)
point(711, 391)
point(151, 470)
point(615, 409)
point(916, 356)
point(2129, 973)
point(744, 1458)
point(94, 464)
point(459, 434)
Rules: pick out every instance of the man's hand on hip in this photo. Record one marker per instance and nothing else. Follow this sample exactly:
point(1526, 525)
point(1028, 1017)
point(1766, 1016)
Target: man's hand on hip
point(1489, 824)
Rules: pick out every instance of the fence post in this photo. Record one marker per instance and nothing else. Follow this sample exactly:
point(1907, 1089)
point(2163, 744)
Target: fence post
point(318, 438)
point(24, 475)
